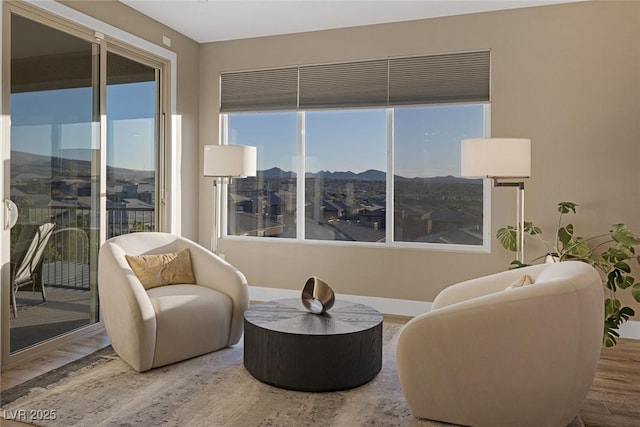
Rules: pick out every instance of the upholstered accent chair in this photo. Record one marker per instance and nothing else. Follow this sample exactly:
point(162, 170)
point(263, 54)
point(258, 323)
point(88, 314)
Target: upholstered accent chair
point(155, 326)
point(498, 351)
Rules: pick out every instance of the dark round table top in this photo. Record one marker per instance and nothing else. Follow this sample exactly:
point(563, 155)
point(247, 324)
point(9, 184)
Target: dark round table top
point(291, 317)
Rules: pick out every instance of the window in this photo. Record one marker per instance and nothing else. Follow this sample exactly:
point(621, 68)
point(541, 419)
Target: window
point(431, 203)
point(265, 205)
point(345, 179)
point(373, 143)
point(346, 171)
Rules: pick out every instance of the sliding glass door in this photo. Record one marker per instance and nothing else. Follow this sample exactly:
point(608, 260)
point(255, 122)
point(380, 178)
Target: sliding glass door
point(54, 173)
point(85, 117)
point(132, 145)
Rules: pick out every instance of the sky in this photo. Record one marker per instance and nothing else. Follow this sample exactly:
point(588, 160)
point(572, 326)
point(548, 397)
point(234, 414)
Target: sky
point(426, 139)
point(130, 124)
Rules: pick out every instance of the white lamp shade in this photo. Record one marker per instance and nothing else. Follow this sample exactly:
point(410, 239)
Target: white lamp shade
point(496, 157)
point(230, 161)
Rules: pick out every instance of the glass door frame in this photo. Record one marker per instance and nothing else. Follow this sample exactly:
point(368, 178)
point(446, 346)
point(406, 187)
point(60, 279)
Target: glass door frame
point(108, 38)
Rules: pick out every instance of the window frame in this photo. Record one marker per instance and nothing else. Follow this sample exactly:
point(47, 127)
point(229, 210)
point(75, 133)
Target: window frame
point(389, 243)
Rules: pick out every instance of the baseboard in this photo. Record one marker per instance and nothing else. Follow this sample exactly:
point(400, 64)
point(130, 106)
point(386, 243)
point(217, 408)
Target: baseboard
point(630, 330)
point(398, 307)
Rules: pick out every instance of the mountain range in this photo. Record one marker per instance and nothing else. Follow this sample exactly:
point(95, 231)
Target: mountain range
point(368, 175)
point(33, 163)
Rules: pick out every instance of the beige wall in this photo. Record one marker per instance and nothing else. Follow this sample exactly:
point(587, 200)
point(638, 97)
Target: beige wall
point(187, 51)
point(566, 76)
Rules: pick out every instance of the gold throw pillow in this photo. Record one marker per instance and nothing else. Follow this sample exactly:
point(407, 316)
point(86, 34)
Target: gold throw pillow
point(162, 269)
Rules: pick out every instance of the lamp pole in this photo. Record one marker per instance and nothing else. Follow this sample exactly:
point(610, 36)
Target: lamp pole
point(519, 214)
point(215, 230)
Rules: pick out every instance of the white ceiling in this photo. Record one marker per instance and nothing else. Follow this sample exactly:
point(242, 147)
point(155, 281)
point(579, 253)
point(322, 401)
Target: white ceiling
point(216, 20)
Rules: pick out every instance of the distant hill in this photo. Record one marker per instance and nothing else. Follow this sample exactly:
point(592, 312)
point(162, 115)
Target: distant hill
point(22, 162)
point(275, 173)
point(372, 175)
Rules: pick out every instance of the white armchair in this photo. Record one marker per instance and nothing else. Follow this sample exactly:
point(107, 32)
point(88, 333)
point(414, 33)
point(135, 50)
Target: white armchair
point(486, 356)
point(162, 325)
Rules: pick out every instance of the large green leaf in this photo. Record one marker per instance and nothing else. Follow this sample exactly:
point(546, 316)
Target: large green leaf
point(530, 228)
point(610, 335)
point(613, 277)
point(611, 306)
point(566, 207)
point(635, 291)
point(517, 264)
point(508, 238)
point(614, 316)
point(565, 234)
point(622, 266)
point(608, 340)
point(627, 312)
point(626, 282)
point(622, 235)
point(613, 255)
point(579, 247)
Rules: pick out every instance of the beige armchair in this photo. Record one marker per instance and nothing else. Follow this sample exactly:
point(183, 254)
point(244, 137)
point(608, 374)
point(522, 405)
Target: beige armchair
point(158, 326)
point(486, 356)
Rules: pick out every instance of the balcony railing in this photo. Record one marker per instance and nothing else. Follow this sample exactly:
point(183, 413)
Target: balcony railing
point(66, 260)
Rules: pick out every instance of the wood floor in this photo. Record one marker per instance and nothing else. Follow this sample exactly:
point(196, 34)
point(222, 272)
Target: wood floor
point(614, 397)
point(613, 401)
point(55, 359)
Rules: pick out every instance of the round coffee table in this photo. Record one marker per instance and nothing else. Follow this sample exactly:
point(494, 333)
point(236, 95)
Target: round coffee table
point(286, 346)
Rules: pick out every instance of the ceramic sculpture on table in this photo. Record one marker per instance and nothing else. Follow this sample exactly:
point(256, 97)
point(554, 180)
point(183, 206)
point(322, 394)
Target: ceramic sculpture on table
point(317, 296)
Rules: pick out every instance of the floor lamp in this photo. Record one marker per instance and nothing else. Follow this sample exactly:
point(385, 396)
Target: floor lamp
point(224, 162)
point(501, 159)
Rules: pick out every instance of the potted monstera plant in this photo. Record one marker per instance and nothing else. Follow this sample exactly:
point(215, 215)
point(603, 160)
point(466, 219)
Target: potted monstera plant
point(612, 254)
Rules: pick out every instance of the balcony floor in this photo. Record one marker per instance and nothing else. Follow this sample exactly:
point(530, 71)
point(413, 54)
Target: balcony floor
point(37, 320)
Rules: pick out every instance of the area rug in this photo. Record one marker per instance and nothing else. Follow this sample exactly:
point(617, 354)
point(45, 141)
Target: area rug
point(211, 390)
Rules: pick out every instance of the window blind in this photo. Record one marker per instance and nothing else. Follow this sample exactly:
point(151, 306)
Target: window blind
point(351, 84)
point(261, 90)
point(454, 77)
